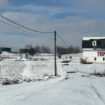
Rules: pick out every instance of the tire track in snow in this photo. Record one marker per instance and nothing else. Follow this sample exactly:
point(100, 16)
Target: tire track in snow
point(97, 93)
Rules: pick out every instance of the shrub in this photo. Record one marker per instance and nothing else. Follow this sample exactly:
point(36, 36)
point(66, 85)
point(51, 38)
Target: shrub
point(83, 61)
point(99, 74)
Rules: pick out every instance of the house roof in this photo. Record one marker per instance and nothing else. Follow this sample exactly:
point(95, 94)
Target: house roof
point(88, 38)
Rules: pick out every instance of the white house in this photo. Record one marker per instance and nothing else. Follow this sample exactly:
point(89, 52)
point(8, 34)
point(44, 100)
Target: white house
point(94, 49)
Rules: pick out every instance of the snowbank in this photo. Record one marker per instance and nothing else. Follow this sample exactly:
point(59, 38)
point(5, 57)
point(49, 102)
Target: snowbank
point(29, 70)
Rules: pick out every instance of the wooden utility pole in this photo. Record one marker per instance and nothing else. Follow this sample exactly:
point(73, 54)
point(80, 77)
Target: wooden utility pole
point(55, 63)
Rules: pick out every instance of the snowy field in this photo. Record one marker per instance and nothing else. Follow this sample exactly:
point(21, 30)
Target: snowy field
point(38, 68)
point(75, 85)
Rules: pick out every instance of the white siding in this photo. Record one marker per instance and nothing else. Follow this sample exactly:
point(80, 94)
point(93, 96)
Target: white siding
point(91, 55)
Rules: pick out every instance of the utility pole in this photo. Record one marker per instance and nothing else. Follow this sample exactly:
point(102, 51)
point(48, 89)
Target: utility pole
point(55, 63)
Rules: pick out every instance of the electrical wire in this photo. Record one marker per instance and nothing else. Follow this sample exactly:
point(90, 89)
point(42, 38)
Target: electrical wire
point(12, 29)
point(28, 28)
point(26, 35)
point(62, 40)
point(17, 29)
point(23, 25)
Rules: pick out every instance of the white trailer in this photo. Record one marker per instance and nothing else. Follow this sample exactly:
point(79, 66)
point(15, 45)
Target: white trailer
point(93, 49)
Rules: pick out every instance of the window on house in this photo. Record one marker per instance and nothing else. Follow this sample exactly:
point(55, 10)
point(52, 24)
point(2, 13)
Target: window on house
point(103, 59)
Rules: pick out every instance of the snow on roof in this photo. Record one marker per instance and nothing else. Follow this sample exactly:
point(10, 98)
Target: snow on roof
point(88, 38)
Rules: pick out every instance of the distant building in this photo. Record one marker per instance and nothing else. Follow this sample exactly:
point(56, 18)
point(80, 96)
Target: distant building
point(93, 49)
point(3, 49)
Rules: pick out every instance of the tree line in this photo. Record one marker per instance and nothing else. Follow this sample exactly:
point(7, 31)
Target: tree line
point(29, 49)
point(68, 50)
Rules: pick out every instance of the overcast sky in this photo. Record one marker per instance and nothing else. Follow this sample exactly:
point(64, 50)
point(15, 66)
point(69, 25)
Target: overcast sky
point(72, 19)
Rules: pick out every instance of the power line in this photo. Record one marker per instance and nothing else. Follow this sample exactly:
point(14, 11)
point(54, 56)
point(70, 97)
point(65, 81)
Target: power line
point(26, 35)
point(12, 29)
point(28, 28)
point(62, 39)
point(23, 25)
point(18, 29)
point(10, 25)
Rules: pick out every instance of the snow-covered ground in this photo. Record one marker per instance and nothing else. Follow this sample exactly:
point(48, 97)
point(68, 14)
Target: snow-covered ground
point(40, 68)
point(74, 86)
